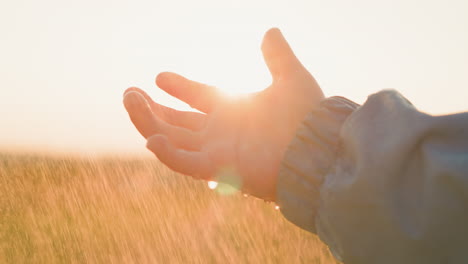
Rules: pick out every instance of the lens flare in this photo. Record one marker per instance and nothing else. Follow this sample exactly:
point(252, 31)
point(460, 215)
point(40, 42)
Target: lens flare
point(227, 181)
point(212, 185)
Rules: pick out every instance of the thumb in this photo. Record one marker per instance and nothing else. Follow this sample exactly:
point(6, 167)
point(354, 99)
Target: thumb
point(278, 55)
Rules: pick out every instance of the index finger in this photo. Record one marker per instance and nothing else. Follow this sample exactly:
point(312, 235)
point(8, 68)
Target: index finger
point(198, 95)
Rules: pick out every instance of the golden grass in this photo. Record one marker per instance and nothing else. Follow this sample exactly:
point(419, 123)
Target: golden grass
point(123, 210)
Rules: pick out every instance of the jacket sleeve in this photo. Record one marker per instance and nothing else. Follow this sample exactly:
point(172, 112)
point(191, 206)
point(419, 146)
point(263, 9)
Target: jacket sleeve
point(381, 182)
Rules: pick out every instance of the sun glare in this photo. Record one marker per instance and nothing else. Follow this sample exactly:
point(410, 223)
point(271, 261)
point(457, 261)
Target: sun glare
point(237, 91)
point(234, 80)
point(234, 93)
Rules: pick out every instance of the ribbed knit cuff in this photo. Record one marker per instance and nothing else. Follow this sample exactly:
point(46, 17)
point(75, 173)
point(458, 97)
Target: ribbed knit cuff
point(308, 159)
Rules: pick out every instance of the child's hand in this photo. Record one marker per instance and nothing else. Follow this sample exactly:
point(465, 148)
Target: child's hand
point(247, 135)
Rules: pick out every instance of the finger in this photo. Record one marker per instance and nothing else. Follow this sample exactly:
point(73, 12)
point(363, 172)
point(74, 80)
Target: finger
point(148, 124)
point(199, 96)
point(140, 113)
point(190, 120)
point(278, 55)
point(195, 164)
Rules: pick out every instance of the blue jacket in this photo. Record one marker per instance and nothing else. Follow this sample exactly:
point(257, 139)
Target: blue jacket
point(381, 182)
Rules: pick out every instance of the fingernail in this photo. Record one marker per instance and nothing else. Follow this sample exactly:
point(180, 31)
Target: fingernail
point(128, 90)
point(132, 99)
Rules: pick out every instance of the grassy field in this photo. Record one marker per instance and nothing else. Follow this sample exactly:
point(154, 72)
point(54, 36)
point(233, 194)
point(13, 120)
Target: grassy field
point(123, 210)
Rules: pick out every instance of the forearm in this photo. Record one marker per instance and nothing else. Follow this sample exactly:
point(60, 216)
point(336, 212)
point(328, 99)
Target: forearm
point(308, 159)
point(393, 191)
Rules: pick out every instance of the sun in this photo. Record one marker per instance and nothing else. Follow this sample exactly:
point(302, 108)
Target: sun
point(236, 91)
point(239, 78)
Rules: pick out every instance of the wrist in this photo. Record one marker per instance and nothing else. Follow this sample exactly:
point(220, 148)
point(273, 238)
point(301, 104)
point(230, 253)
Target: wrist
point(308, 159)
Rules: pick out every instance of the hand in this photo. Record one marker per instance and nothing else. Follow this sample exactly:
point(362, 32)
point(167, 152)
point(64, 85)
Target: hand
point(245, 136)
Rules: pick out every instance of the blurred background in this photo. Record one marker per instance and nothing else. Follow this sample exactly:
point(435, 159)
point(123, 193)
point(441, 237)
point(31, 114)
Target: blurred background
point(65, 64)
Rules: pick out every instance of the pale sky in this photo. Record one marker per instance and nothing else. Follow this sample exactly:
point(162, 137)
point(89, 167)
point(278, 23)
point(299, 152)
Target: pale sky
point(65, 64)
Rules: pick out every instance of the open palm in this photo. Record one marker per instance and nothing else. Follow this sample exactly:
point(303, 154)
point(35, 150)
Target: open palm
point(246, 136)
